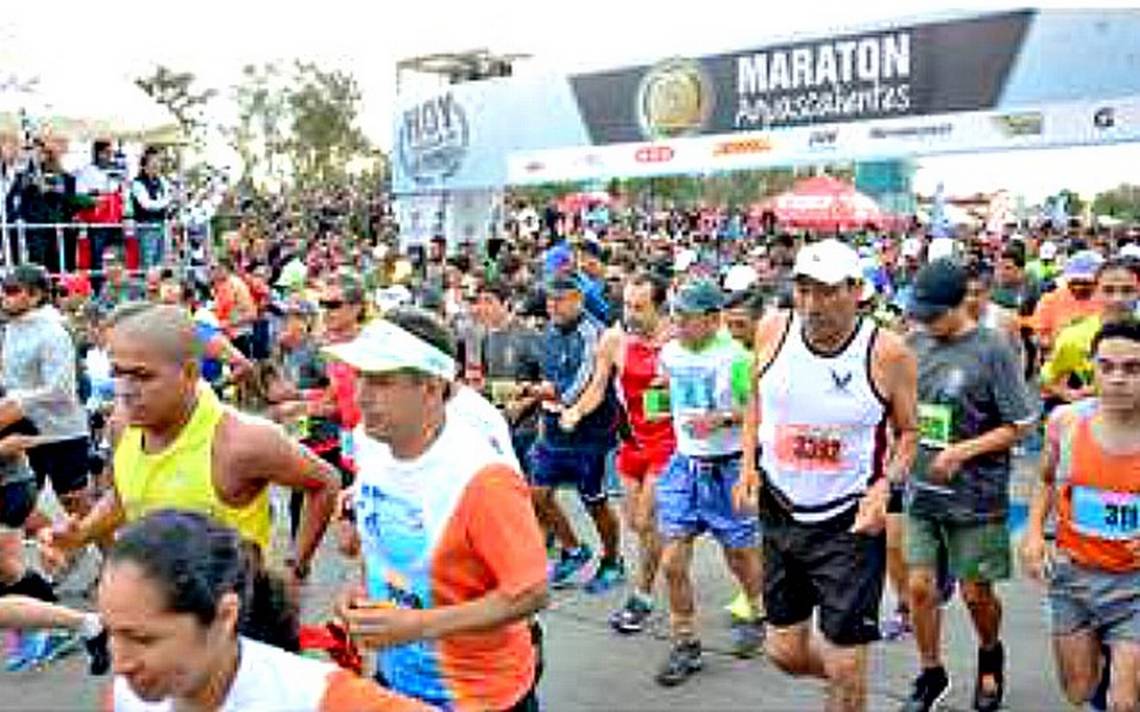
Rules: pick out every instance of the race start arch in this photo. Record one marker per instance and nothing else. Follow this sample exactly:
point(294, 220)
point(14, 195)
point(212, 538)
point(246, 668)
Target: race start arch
point(995, 82)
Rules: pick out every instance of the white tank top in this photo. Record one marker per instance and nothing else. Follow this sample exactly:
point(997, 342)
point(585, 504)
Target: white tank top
point(821, 431)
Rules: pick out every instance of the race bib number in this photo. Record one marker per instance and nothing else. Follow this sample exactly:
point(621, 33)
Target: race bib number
point(935, 425)
point(655, 403)
point(811, 448)
point(1106, 514)
point(501, 391)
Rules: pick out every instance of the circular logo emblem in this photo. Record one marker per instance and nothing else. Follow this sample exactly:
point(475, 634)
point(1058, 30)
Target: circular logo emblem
point(433, 139)
point(675, 99)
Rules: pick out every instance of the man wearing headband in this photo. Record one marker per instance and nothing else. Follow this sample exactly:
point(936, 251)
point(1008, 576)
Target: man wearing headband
point(454, 563)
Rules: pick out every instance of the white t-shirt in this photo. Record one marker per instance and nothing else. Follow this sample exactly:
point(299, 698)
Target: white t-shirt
point(469, 407)
point(271, 680)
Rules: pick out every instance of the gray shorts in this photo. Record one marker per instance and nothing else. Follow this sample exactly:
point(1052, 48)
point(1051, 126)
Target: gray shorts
point(1089, 599)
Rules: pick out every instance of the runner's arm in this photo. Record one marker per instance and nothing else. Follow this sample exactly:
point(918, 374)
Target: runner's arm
point(272, 456)
point(768, 335)
point(604, 364)
point(1043, 496)
point(900, 378)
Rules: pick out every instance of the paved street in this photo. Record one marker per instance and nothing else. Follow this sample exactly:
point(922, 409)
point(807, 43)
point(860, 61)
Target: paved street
point(591, 669)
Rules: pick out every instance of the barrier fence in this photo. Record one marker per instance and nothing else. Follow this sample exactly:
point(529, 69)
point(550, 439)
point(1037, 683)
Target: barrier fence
point(14, 237)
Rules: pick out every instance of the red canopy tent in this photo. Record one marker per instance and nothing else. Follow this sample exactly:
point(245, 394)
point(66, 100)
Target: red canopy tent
point(824, 203)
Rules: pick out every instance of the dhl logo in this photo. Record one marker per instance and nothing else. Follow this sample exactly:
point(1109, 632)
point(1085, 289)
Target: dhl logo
point(742, 146)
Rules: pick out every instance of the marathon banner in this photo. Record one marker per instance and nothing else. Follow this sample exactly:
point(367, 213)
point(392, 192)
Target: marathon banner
point(888, 91)
point(1069, 124)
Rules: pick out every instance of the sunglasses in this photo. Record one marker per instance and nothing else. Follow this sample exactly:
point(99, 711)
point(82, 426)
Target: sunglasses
point(12, 289)
point(331, 304)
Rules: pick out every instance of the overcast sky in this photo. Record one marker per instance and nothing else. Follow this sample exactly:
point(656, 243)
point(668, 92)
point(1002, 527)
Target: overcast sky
point(83, 45)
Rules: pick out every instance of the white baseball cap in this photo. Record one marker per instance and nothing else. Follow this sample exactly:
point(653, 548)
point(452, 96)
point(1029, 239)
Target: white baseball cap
point(1048, 250)
point(739, 278)
point(940, 247)
point(684, 260)
point(1130, 251)
point(829, 261)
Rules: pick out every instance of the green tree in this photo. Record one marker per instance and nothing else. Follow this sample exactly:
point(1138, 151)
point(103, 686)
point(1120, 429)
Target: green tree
point(260, 135)
point(1074, 205)
point(1121, 202)
point(179, 94)
point(323, 109)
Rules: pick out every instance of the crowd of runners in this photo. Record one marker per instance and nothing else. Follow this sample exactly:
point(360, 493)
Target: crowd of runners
point(842, 414)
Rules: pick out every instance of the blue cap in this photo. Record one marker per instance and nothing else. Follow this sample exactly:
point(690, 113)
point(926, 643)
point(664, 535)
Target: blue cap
point(699, 296)
point(1083, 266)
point(557, 259)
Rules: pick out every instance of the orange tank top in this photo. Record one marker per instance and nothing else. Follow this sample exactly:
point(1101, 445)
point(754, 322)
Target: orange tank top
point(1098, 507)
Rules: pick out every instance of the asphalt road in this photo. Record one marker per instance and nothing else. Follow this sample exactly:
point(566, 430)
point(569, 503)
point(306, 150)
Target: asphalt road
point(590, 668)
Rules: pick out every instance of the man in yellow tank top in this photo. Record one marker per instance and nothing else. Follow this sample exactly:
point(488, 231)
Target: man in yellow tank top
point(176, 445)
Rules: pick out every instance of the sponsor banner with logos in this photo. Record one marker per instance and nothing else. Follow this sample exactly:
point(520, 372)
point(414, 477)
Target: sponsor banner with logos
point(955, 84)
point(1068, 124)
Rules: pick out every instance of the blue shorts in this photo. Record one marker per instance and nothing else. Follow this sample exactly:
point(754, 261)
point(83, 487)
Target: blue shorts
point(694, 495)
point(584, 468)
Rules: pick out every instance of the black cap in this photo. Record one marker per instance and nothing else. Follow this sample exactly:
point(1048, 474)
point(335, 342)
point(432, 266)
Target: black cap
point(29, 276)
point(938, 287)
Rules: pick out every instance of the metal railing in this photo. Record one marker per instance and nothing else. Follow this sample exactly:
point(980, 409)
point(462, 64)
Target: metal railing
point(18, 230)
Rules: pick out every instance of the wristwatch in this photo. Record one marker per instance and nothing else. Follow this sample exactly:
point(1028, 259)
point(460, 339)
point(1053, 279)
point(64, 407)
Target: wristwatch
point(300, 569)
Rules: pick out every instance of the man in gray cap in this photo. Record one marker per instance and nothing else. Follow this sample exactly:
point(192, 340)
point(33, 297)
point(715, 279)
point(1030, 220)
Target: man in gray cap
point(708, 375)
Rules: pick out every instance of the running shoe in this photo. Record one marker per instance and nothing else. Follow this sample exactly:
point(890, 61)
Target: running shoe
point(98, 654)
point(990, 662)
point(897, 627)
point(684, 660)
point(608, 575)
point(930, 688)
point(568, 565)
point(631, 617)
point(39, 648)
point(747, 637)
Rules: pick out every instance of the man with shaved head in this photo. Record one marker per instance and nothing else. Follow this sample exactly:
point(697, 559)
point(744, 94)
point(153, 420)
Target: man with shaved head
point(177, 446)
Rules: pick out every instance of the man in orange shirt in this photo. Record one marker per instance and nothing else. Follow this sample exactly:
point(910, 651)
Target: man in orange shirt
point(1073, 300)
point(234, 305)
point(1091, 472)
point(453, 560)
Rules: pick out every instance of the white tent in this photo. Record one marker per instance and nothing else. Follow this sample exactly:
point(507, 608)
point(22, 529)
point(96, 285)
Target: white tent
point(79, 107)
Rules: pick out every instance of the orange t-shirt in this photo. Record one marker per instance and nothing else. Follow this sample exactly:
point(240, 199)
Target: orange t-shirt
point(1098, 507)
point(1058, 309)
point(448, 528)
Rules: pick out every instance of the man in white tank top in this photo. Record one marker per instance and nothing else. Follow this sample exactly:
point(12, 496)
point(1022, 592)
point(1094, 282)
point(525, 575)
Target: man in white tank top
point(829, 384)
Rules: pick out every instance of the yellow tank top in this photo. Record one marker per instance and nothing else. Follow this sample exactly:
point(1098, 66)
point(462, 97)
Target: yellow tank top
point(181, 476)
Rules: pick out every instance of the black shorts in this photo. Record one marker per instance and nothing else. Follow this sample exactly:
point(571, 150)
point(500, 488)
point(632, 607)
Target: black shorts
point(17, 500)
point(824, 565)
point(67, 464)
point(584, 468)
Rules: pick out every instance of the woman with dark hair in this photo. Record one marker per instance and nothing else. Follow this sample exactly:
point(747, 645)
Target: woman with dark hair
point(184, 614)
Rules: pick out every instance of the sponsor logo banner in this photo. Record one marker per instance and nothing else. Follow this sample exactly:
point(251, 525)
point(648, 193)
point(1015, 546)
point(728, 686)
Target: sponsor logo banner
point(904, 71)
point(1067, 124)
point(743, 146)
point(1027, 123)
point(433, 139)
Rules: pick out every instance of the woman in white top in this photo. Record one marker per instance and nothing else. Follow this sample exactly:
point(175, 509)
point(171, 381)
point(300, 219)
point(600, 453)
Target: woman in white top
point(175, 597)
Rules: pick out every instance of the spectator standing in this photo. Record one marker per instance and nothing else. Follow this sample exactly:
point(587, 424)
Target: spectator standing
point(150, 206)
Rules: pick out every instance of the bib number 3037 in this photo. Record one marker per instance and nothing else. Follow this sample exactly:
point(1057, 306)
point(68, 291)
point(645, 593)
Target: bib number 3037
point(1106, 514)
